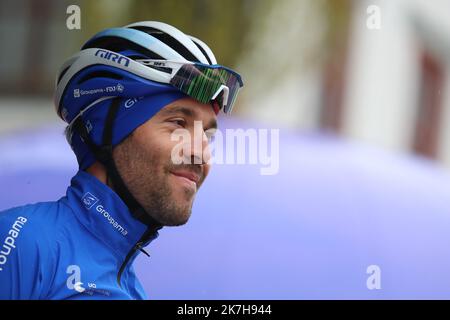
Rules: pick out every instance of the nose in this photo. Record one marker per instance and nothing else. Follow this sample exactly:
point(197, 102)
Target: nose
point(195, 148)
point(200, 152)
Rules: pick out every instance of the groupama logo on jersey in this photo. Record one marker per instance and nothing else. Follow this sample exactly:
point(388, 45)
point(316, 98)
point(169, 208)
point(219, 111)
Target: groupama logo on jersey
point(77, 93)
point(114, 57)
point(89, 200)
point(10, 240)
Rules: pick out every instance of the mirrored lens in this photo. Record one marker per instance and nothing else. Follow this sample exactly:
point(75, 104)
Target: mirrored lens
point(202, 82)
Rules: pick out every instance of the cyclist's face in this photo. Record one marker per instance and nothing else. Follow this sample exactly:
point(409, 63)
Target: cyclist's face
point(163, 162)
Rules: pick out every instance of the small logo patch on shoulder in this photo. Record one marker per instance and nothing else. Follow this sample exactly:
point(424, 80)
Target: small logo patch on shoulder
point(89, 200)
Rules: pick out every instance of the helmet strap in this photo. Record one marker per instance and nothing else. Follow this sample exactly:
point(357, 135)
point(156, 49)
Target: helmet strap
point(104, 154)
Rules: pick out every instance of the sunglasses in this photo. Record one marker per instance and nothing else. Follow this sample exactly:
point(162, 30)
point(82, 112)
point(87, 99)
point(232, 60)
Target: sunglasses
point(200, 81)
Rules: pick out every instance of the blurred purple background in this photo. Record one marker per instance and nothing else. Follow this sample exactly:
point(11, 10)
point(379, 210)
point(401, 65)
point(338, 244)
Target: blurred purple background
point(310, 231)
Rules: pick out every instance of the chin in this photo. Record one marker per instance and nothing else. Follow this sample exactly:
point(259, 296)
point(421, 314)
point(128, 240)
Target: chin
point(178, 222)
point(179, 216)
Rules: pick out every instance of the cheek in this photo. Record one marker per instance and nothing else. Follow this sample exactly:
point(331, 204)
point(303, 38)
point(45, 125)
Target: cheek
point(143, 155)
point(207, 168)
point(159, 152)
point(152, 141)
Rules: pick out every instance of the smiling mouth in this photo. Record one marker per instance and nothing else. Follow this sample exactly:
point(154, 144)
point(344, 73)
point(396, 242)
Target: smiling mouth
point(187, 178)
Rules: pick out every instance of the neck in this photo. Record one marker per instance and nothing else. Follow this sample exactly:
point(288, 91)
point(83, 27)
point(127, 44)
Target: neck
point(98, 170)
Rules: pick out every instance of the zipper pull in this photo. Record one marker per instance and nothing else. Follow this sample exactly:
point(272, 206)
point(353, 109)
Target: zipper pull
point(138, 246)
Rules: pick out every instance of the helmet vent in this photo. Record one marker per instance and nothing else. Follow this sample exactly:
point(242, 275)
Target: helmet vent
point(118, 44)
point(204, 52)
point(169, 41)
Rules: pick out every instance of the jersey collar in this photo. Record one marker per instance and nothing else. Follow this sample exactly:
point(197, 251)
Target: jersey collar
point(104, 213)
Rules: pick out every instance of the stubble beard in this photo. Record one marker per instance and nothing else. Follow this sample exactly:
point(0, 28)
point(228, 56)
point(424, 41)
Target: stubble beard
point(144, 177)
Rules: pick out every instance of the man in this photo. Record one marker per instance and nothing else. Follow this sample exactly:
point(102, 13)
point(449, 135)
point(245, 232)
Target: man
point(125, 96)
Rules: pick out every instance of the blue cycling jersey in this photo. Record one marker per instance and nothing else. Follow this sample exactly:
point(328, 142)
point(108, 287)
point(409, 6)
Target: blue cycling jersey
point(79, 247)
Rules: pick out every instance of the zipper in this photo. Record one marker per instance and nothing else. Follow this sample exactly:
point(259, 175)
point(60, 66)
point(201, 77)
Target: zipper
point(139, 247)
point(151, 231)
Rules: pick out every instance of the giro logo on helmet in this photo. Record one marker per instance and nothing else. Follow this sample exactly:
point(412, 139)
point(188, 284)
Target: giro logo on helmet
point(114, 57)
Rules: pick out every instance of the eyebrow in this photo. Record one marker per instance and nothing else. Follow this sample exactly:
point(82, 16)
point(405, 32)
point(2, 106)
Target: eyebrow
point(188, 112)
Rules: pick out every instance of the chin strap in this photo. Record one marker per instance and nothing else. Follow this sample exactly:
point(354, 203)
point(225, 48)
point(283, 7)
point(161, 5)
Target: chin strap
point(104, 154)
